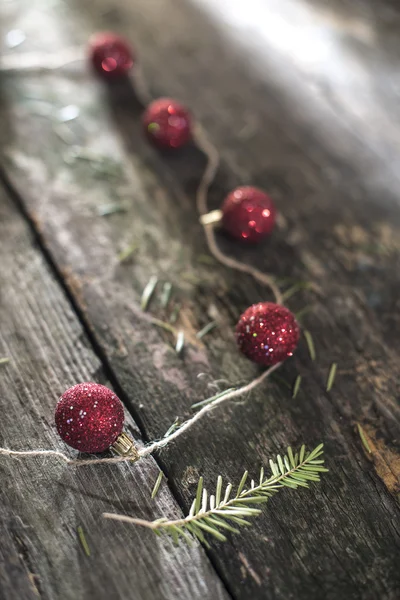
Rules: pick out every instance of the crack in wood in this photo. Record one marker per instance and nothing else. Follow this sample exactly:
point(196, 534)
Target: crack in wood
point(385, 459)
point(24, 553)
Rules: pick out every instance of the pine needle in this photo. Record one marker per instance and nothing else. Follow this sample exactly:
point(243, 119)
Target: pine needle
point(174, 426)
point(296, 386)
point(209, 514)
point(64, 133)
point(148, 292)
point(4, 361)
point(83, 541)
point(127, 253)
point(157, 485)
point(200, 334)
point(331, 377)
point(212, 398)
point(363, 438)
point(166, 294)
point(164, 325)
point(310, 344)
point(191, 278)
point(110, 209)
point(198, 495)
point(179, 335)
point(180, 341)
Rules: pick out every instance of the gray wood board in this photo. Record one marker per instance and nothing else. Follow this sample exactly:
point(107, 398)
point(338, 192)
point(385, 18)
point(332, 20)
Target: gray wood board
point(44, 501)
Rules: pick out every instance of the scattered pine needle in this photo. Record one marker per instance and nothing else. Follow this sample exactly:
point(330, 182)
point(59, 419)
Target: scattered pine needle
point(110, 209)
point(164, 325)
point(106, 169)
point(157, 485)
point(166, 294)
point(102, 165)
point(127, 252)
point(180, 341)
point(83, 541)
point(331, 377)
point(209, 327)
point(68, 113)
point(296, 386)
point(191, 278)
point(4, 361)
point(363, 438)
point(180, 336)
point(310, 344)
point(148, 292)
point(216, 397)
point(174, 426)
point(64, 133)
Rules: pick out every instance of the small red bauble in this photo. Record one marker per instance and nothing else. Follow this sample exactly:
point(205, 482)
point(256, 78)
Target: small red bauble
point(248, 214)
point(110, 54)
point(89, 417)
point(267, 333)
point(167, 123)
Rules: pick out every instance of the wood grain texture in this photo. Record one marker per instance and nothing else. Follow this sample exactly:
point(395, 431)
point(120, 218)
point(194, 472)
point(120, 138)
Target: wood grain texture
point(291, 129)
point(43, 501)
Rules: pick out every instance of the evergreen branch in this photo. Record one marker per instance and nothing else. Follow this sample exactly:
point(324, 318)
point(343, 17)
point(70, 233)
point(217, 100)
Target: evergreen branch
point(216, 514)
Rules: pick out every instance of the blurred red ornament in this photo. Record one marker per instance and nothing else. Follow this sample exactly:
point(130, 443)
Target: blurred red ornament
point(267, 333)
point(111, 55)
point(89, 417)
point(167, 123)
point(248, 214)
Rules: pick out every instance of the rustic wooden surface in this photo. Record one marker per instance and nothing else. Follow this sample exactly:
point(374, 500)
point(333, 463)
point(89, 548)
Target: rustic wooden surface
point(310, 119)
point(42, 502)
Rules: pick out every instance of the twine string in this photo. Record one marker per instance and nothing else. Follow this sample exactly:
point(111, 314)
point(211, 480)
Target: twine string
point(207, 179)
point(38, 63)
point(41, 63)
point(152, 447)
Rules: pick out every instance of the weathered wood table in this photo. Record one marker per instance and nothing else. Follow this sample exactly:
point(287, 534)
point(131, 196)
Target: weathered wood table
point(302, 99)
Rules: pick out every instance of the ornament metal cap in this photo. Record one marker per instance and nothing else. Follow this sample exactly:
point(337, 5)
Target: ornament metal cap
point(211, 218)
point(125, 446)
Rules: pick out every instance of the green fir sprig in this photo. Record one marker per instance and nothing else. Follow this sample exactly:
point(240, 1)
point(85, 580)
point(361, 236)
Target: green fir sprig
point(215, 514)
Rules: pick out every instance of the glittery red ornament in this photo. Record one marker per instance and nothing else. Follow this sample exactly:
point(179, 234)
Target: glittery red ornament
point(167, 123)
point(110, 54)
point(248, 214)
point(267, 333)
point(89, 417)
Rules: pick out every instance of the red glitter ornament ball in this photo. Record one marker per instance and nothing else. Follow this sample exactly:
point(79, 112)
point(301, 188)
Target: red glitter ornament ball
point(248, 214)
point(167, 123)
point(267, 333)
point(110, 54)
point(89, 417)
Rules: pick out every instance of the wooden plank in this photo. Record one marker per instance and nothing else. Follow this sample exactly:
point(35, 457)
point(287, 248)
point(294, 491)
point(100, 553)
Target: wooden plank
point(15, 573)
point(339, 198)
point(44, 502)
